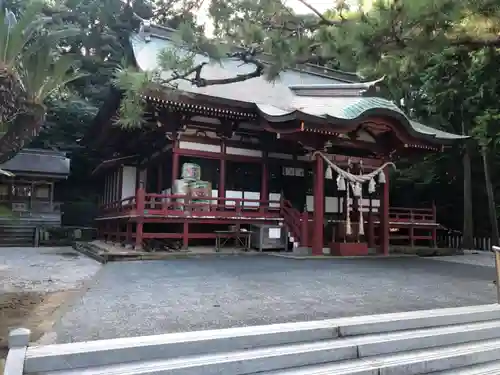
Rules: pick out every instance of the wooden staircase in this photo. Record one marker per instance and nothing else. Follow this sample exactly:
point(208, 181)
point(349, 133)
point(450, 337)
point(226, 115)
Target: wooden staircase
point(17, 234)
point(408, 226)
point(296, 222)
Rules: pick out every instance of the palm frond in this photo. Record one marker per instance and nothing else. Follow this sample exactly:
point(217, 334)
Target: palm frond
point(14, 38)
point(45, 72)
point(30, 33)
point(51, 38)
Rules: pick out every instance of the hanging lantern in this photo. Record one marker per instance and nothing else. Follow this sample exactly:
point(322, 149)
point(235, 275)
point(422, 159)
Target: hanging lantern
point(340, 183)
point(381, 177)
point(356, 189)
point(371, 186)
point(329, 173)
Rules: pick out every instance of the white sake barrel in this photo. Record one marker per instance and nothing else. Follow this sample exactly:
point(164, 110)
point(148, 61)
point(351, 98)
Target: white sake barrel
point(180, 187)
point(191, 171)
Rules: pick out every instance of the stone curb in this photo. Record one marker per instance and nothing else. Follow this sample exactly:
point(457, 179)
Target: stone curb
point(326, 257)
point(104, 257)
point(85, 250)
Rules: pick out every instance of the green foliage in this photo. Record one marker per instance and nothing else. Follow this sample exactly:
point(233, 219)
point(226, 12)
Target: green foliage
point(441, 57)
point(6, 212)
point(33, 67)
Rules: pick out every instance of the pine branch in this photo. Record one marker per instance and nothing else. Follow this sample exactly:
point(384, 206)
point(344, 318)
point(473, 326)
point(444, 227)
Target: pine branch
point(322, 19)
point(248, 57)
point(476, 43)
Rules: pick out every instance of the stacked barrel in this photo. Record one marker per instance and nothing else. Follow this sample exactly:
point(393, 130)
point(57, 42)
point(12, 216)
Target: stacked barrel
point(190, 184)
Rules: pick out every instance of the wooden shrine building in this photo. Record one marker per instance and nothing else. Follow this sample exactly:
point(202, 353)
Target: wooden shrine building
point(310, 152)
point(27, 186)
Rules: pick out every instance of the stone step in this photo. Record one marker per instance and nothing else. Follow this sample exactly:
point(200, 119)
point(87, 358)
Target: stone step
point(304, 354)
point(421, 326)
point(490, 368)
point(16, 242)
point(428, 361)
point(17, 231)
point(417, 319)
point(302, 361)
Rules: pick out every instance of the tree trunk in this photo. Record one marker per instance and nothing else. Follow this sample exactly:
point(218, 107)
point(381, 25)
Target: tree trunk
point(491, 198)
point(468, 229)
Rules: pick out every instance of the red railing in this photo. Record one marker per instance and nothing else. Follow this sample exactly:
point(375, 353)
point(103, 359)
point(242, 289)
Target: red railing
point(296, 222)
point(180, 204)
point(412, 215)
point(122, 206)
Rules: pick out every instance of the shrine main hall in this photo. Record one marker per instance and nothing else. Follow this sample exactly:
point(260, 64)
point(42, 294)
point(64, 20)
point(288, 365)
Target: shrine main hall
point(307, 156)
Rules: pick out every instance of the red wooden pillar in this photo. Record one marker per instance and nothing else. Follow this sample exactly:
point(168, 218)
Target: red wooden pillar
point(222, 174)
point(185, 235)
point(384, 216)
point(412, 229)
point(129, 233)
point(434, 230)
point(304, 225)
point(159, 183)
point(319, 207)
point(175, 166)
point(371, 226)
point(140, 205)
point(105, 231)
point(118, 231)
point(264, 184)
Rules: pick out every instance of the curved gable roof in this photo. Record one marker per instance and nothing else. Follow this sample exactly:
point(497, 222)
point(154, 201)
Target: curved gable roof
point(284, 99)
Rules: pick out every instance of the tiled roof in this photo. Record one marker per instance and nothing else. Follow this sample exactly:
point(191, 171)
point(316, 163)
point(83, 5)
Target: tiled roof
point(39, 162)
point(292, 94)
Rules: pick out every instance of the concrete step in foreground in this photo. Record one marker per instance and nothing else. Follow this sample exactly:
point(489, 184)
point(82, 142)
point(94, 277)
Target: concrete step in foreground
point(302, 361)
point(489, 368)
point(418, 342)
point(428, 361)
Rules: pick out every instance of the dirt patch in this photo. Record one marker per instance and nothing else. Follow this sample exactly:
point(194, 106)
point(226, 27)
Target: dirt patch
point(33, 310)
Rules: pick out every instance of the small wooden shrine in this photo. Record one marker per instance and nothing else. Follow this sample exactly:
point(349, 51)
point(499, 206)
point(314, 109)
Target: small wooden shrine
point(28, 183)
point(310, 153)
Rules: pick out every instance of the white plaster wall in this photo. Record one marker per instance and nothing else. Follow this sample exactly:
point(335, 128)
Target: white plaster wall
point(128, 182)
point(335, 204)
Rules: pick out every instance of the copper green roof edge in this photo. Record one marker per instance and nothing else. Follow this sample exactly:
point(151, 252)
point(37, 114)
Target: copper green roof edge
point(439, 133)
point(373, 103)
point(366, 107)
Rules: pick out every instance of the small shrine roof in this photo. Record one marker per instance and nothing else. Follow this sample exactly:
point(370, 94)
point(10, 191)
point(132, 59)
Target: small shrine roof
point(316, 93)
point(39, 162)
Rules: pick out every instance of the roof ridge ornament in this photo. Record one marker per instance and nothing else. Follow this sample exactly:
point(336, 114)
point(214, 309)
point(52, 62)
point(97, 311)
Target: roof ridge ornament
point(145, 28)
point(334, 89)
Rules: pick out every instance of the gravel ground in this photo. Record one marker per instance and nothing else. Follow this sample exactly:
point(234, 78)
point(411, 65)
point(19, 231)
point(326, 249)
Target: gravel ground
point(43, 269)
point(35, 282)
point(477, 258)
point(141, 298)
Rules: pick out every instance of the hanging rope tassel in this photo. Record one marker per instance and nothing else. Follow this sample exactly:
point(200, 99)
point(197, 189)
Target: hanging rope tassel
point(348, 229)
point(340, 183)
point(361, 230)
point(329, 173)
point(361, 224)
point(372, 186)
point(381, 177)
